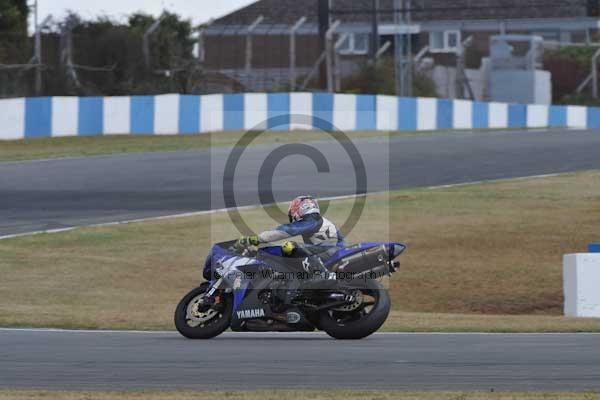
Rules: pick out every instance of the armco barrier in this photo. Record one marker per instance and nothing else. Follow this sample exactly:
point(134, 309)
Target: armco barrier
point(173, 114)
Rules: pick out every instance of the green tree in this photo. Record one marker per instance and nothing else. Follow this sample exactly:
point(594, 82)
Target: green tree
point(171, 53)
point(105, 43)
point(171, 43)
point(13, 16)
point(381, 79)
point(14, 47)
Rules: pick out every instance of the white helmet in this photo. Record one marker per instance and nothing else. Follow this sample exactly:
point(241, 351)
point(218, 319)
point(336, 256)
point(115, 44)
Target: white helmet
point(301, 206)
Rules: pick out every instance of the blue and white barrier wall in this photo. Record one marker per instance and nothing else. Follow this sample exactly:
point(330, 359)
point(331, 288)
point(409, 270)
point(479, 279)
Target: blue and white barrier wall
point(186, 114)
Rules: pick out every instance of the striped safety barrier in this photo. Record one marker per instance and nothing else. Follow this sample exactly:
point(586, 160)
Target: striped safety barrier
point(173, 114)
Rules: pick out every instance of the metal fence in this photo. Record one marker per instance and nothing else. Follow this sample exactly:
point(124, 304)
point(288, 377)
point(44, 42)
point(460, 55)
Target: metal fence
point(115, 63)
point(89, 64)
point(230, 59)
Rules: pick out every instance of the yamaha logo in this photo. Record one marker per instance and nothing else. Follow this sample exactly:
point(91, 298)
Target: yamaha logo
point(254, 313)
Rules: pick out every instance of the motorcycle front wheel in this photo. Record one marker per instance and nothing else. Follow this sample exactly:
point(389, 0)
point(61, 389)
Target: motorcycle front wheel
point(194, 319)
point(361, 318)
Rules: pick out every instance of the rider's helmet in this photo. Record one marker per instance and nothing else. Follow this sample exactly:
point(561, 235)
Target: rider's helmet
point(301, 206)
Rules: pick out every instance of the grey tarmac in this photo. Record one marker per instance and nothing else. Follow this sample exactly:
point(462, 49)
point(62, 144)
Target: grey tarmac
point(88, 360)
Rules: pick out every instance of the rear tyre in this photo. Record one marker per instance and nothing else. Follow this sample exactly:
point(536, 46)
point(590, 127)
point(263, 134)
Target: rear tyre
point(358, 321)
point(195, 320)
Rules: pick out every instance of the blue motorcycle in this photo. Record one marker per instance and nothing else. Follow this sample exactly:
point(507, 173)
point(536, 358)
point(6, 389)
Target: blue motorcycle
point(336, 290)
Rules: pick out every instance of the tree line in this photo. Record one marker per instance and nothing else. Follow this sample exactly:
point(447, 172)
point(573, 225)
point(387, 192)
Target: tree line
point(100, 56)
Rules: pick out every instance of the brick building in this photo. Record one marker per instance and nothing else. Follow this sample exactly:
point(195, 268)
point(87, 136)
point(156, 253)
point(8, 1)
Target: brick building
point(439, 24)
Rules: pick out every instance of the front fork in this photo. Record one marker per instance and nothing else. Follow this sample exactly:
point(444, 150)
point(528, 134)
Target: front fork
point(214, 287)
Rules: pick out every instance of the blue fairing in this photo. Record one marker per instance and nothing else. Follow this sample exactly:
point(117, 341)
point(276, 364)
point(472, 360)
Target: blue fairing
point(394, 250)
point(219, 252)
point(239, 294)
point(222, 253)
point(273, 250)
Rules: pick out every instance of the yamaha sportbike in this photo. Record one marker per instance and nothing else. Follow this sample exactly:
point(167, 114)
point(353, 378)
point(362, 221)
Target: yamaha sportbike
point(336, 290)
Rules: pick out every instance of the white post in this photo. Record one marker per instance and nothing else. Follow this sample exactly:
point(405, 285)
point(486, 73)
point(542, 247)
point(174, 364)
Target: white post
point(462, 81)
point(329, 55)
point(581, 274)
point(336, 64)
point(201, 48)
point(38, 52)
point(293, 31)
point(146, 40)
point(383, 49)
point(502, 28)
point(595, 73)
point(251, 28)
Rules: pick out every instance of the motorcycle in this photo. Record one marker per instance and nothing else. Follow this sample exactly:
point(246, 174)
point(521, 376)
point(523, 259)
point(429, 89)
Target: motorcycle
point(336, 290)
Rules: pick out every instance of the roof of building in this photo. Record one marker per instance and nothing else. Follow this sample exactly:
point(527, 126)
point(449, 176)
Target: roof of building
point(287, 12)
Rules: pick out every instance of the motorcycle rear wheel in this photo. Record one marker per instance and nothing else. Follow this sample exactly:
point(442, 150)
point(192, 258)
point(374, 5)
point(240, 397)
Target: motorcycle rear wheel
point(362, 321)
point(194, 323)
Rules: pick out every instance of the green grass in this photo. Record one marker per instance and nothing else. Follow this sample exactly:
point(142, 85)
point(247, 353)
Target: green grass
point(43, 148)
point(484, 257)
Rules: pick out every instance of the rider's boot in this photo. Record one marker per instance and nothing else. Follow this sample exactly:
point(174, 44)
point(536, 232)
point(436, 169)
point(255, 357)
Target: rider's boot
point(319, 277)
point(313, 265)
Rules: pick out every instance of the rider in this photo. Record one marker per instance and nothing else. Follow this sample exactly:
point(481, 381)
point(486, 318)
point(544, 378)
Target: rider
point(305, 220)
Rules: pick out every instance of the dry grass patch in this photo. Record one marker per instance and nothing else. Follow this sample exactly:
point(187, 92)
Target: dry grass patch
point(30, 149)
point(490, 248)
point(493, 248)
point(293, 395)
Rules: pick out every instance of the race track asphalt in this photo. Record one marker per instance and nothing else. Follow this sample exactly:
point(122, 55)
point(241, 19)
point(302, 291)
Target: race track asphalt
point(456, 362)
point(40, 195)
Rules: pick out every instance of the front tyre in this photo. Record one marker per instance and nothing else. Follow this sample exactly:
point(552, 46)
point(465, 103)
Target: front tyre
point(194, 319)
point(360, 319)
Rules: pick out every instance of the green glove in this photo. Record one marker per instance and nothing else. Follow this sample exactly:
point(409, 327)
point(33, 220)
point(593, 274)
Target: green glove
point(246, 241)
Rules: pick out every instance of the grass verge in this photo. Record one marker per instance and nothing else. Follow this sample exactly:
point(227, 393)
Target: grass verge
point(293, 395)
point(44, 148)
point(484, 257)
point(400, 321)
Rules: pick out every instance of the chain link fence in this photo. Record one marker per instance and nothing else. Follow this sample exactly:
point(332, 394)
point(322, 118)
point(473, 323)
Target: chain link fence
point(113, 63)
point(224, 60)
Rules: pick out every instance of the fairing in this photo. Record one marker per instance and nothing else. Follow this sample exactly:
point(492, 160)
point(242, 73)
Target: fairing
point(243, 274)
